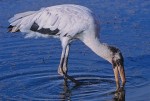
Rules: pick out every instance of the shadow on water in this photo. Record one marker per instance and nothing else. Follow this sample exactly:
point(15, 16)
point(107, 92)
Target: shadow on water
point(40, 86)
point(119, 96)
point(66, 95)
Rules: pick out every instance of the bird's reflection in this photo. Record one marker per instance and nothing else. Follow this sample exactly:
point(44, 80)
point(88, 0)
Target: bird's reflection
point(119, 95)
point(67, 92)
point(66, 95)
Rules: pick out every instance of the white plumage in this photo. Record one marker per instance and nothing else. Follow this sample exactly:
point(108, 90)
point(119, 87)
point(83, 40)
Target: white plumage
point(70, 19)
point(68, 22)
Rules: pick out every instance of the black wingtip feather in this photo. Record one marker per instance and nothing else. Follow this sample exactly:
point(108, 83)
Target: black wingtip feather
point(11, 27)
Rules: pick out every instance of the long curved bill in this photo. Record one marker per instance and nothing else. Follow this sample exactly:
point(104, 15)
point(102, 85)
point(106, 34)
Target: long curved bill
point(122, 75)
point(119, 70)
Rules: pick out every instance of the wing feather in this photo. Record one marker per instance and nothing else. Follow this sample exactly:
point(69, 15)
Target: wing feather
point(20, 15)
point(63, 19)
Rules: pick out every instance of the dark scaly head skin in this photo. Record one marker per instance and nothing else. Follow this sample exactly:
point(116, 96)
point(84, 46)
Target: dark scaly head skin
point(118, 66)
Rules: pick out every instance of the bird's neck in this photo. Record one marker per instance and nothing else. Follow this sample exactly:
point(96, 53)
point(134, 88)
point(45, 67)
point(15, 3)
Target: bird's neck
point(99, 48)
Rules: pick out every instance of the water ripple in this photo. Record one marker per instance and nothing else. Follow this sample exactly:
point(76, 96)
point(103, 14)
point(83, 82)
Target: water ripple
point(28, 83)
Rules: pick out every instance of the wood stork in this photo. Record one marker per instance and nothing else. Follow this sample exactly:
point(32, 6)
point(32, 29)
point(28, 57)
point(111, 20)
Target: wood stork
point(68, 22)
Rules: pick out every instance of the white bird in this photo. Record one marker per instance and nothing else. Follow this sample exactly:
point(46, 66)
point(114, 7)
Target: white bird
point(69, 22)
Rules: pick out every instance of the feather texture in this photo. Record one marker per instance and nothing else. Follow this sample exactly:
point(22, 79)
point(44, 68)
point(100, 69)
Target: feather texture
point(68, 19)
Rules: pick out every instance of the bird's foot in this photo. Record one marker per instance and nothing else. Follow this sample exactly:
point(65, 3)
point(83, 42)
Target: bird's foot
point(66, 76)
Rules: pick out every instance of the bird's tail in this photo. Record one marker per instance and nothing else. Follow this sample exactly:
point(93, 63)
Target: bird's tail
point(21, 21)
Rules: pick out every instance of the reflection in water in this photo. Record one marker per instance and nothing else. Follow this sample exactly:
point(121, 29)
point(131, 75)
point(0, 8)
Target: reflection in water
point(119, 96)
point(67, 92)
point(65, 96)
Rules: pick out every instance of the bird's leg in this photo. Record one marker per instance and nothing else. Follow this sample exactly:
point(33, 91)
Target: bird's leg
point(64, 62)
point(65, 42)
point(63, 73)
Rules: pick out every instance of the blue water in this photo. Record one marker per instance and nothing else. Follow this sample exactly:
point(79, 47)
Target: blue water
point(28, 67)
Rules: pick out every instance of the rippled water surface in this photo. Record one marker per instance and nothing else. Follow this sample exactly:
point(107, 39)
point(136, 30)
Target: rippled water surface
point(28, 67)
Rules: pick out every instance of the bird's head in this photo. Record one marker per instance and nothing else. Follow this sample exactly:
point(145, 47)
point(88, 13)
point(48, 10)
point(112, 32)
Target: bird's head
point(117, 61)
point(116, 57)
